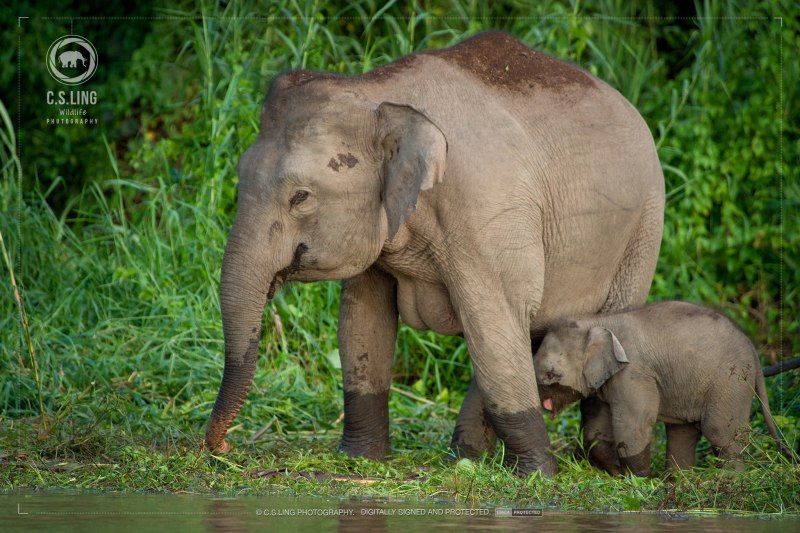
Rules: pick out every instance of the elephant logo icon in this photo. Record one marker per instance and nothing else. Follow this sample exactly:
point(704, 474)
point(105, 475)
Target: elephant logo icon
point(72, 59)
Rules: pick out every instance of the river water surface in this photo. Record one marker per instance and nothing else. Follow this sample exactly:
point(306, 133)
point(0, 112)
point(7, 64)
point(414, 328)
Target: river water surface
point(55, 511)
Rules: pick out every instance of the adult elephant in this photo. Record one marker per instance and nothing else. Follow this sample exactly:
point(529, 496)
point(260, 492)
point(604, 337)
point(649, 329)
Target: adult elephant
point(484, 189)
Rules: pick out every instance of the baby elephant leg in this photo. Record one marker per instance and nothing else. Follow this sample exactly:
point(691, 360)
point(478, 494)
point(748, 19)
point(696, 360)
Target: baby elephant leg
point(727, 434)
point(598, 435)
point(681, 445)
point(633, 428)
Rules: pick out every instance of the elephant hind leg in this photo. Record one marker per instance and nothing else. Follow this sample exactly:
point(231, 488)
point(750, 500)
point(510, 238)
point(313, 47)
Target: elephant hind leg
point(682, 445)
point(474, 433)
point(727, 434)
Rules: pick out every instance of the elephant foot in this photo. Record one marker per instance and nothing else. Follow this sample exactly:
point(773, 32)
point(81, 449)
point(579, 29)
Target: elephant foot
point(527, 444)
point(638, 464)
point(474, 433)
point(462, 450)
point(547, 466)
point(375, 450)
point(366, 425)
point(602, 455)
point(471, 442)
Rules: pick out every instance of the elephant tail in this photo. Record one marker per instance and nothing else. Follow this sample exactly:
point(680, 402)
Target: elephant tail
point(782, 366)
point(761, 391)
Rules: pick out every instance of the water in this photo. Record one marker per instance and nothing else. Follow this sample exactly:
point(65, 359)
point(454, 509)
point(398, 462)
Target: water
point(56, 511)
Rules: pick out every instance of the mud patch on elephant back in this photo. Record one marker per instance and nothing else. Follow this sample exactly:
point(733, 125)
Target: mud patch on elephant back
point(296, 78)
point(386, 72)
point(500, 60)
point(696, 311)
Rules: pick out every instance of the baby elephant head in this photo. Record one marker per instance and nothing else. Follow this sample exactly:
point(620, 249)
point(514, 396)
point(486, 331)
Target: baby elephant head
point(574, 362)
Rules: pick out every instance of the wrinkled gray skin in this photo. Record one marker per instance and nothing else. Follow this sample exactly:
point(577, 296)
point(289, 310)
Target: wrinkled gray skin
point(482, 190)
point(680, 363)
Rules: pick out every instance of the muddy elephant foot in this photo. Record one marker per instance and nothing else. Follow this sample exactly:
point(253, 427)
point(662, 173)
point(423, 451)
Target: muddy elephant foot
point(602, 455)
point(470, 443)
point(527, 445)
point(474, 433)
point(598, 436)
point(366, 425)
point(638, 464)
point(377, 450)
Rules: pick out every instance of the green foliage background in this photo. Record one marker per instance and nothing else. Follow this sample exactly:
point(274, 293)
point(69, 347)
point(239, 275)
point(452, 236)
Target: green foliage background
point(116, 232)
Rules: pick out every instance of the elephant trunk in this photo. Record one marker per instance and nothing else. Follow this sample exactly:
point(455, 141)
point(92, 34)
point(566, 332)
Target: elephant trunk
point(244, 285)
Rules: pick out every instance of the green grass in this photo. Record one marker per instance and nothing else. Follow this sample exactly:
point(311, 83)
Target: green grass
point(117, 248)
point(303, 463)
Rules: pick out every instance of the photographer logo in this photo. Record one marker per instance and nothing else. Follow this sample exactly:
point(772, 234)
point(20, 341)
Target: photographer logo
point(72, 59)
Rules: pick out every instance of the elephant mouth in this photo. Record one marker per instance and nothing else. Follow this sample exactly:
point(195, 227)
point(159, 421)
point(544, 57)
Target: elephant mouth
point(557, 397)
point(283, 274)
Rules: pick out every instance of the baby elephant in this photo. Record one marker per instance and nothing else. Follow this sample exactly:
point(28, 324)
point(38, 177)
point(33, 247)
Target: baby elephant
point(685, 365)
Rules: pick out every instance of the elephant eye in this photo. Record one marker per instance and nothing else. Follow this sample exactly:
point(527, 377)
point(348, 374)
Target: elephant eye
point(298, 197)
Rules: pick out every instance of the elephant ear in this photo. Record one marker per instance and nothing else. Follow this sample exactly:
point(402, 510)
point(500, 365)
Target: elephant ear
point(604, 357)
point(414, 150)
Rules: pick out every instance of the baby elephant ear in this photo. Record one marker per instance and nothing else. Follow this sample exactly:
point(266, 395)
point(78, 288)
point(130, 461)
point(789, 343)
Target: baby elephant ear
point(604, 357)
point(414, 151)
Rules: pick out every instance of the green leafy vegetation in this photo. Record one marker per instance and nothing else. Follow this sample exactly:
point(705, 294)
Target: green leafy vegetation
point(115, 234)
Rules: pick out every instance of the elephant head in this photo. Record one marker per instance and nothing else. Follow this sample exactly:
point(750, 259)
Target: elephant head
point(573, 362)
point(330, 177)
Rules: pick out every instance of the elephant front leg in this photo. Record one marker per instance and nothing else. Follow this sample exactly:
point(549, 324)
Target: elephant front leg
point(633, 423)
point(474, 433)
point(367, 335)
point(499, 346)
point(598, 435)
